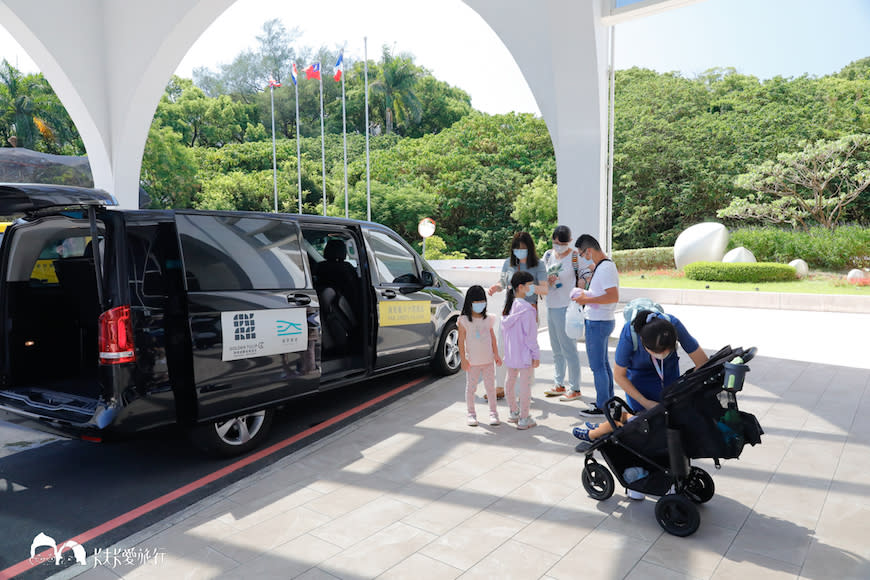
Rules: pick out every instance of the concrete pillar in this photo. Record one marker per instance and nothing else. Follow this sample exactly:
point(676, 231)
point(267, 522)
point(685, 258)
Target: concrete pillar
point(561, 49)
point(109, 62)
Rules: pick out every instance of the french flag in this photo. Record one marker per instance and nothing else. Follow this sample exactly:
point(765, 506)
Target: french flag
point(313, 71)
point(339, 68)
point(293, 73)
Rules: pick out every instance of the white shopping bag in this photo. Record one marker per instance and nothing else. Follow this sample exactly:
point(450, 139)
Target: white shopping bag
point(575, 321)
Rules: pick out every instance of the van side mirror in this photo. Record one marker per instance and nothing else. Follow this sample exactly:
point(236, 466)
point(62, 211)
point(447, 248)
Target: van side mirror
point(428, 278)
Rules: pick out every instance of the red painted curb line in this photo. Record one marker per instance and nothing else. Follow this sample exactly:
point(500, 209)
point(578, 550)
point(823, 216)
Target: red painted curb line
point(152, 505)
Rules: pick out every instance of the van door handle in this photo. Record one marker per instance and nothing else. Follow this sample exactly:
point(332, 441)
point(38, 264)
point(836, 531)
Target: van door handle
point(299, 299)
point(388, 293)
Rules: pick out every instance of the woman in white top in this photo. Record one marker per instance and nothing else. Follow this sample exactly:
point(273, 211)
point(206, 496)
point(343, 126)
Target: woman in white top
point(563, 272)
point(600, 300)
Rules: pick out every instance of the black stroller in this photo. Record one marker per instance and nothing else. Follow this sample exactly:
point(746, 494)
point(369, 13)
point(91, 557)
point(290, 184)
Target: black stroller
point(697, 418)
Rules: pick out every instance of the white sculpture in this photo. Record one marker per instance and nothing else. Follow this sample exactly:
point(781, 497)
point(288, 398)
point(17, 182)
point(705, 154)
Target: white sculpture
point(801, 267)
point(739, 254)
point(855, 275)
point(703, 242)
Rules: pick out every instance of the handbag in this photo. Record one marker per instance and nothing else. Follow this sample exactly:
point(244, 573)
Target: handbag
point(575, 321)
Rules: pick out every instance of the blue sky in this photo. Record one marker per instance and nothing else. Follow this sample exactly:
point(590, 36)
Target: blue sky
point(763, 38)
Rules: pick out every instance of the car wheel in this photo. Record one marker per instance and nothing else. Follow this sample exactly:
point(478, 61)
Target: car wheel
point(677, 515)
point(699, 486)
point(447, 360)
point(597, 481)
point(234, 436)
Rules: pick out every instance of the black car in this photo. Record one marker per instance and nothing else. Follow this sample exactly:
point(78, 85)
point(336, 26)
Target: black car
point(206, 319)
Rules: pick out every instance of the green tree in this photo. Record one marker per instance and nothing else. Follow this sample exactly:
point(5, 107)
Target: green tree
point(397, 83)
point(32, 113)
point(249, 72)
point(203, 121)
point(536, 210)
point(168, 171)
point(821, 179)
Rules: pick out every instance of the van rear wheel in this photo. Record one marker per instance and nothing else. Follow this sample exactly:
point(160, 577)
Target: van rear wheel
point(234, 436)
point(447, 360)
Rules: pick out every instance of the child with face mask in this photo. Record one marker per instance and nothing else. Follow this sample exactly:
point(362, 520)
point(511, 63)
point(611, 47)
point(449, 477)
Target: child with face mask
point(521, 352)
point(522, 258)
point(478, 350)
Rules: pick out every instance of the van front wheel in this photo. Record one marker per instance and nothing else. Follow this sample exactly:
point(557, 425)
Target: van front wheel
point(234, 436)
point(447, 360)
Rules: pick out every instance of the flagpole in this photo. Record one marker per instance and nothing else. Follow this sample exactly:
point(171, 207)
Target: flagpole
point(368, 162)
point(274, 156)
point(344, 133)
point(298, 148)
point(322, 142)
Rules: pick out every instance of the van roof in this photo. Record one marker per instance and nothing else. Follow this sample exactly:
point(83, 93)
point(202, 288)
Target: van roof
point(28, 197)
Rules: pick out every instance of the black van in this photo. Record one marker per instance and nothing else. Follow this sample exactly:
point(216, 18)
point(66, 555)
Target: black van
point(206, 319)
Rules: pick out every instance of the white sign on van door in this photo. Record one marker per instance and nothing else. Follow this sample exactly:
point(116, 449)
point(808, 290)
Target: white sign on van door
point(252, 333)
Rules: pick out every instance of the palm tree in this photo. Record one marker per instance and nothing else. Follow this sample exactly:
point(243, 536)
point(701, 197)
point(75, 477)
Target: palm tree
point(30, 111)
point(398, 79)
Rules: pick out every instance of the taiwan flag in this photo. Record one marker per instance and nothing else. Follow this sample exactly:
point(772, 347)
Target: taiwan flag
point(313, 71)
point(293, 73)
point(339, 68)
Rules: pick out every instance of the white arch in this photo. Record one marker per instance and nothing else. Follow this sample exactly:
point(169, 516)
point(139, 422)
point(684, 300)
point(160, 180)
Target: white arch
point(109, 61)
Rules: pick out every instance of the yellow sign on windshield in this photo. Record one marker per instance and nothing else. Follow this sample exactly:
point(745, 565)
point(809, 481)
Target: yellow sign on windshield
point(405, 312)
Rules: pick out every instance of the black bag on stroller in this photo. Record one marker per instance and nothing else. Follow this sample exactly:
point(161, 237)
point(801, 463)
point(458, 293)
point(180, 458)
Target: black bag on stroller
point(697, 418)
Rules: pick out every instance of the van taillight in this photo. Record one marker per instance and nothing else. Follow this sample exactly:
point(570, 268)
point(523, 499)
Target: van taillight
point(116, 336)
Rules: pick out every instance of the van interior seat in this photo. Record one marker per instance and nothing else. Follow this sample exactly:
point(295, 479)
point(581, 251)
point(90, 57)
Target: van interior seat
point(338, 319)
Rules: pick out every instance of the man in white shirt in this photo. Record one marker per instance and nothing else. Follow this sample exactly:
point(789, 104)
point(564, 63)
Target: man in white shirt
point(600, 300)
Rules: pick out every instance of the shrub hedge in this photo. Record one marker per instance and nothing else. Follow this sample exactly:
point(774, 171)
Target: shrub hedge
point(843, 248)
point(644, 259)
point(740, 272)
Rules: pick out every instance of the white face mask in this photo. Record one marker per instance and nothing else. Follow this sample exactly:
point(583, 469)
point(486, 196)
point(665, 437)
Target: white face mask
point(560, 248)
point(659, 355)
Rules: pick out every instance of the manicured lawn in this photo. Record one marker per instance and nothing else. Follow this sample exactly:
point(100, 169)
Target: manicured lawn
point(816, 283)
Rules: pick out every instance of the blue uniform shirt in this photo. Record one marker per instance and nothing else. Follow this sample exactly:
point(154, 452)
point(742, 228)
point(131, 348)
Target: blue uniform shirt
point(639, 363)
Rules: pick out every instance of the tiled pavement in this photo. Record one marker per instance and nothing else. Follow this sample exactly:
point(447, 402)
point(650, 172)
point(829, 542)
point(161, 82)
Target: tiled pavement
point(411, 492)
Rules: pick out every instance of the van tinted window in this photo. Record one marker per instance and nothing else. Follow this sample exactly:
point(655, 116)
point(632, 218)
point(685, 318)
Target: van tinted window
point(394, 263)
point(240, 253)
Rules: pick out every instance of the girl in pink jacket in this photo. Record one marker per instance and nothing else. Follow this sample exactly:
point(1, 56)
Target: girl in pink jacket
point(519, 329)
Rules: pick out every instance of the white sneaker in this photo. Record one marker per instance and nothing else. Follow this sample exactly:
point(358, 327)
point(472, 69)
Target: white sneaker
point(493, 419)
point(514, 417)
point(635, 495)
point(472, 421)
point(525, 423)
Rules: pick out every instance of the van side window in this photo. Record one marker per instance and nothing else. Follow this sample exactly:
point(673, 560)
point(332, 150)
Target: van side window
point(240, 253)
point(394, 263)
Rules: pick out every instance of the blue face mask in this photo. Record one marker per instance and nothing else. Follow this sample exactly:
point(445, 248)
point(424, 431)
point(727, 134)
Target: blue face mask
point(531, 290)
point(521, 253)
point(478, 307)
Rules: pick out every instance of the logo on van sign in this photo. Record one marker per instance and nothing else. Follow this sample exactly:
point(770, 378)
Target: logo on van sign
point(244, 328)
point(255, 333)
point(286, 328)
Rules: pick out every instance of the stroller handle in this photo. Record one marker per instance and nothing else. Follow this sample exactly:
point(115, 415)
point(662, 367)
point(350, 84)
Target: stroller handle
point(612, 404)
point(749, 354)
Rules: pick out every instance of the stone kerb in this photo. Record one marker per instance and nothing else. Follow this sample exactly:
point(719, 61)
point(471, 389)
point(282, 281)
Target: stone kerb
point(464, 273)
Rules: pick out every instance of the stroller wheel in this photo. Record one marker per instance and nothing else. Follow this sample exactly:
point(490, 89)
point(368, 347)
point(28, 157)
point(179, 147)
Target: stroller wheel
point(597, 481)
point(677, 515)
point(699, 486)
